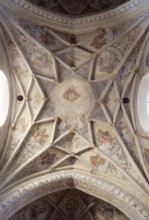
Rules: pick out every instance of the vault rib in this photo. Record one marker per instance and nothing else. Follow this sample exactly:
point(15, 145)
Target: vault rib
point(90, 129)
point(29, 110)
point(16, 42)
point(8, 163)
point(59, 38)
point(119, 37)
point(131, 160)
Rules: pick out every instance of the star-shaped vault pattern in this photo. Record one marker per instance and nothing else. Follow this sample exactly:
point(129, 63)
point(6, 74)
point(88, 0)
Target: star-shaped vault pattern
point(77, 108)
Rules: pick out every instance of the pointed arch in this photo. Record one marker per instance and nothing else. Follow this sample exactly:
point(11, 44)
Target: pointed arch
point(20, 195)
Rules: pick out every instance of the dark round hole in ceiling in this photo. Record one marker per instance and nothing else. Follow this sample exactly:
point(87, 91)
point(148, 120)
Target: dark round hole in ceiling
point(20, 98)
point(125, 100)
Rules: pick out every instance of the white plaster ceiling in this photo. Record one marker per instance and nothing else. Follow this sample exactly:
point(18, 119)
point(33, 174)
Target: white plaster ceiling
point(73, 115)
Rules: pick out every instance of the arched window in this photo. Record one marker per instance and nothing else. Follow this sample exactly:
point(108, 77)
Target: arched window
point(6, 93)
point(4, 98)
point(143, 102)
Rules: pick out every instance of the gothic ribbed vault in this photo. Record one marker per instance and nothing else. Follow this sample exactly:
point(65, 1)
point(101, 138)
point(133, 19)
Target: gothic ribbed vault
point(74, 86)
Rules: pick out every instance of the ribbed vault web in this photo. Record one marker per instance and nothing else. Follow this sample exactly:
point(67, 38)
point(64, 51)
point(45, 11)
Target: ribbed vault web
point(74, 106)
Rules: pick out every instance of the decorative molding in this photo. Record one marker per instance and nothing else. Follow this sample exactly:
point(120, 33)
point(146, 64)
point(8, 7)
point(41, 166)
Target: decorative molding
point(24, 193)
point(33, 13)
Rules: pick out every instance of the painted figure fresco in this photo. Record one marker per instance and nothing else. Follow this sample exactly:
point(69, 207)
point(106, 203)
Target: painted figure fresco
point(71, 94)
point(21, 126)
point(106, 142)
point(103, 137)
point(109, 59)
point(48, 158)
point(96, 161)
point(46, 37)
point(105, 213)
point(19, 131)
point(38, 210)
point(40, 60)
point(71, 204)
point(99, 41)
point(40, 135)
point(45, 160)
point(37, 140)
point(125, 132)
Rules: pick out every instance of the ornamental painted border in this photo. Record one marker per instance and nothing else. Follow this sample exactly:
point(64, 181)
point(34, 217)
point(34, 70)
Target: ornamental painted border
point(24, 193)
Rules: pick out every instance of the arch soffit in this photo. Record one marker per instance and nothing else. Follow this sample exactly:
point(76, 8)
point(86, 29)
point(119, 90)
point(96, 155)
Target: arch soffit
point(81, 24)
point(27, 192)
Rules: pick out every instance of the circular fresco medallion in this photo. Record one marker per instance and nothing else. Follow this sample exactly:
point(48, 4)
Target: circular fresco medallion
point(73, 98)
point(72, 205)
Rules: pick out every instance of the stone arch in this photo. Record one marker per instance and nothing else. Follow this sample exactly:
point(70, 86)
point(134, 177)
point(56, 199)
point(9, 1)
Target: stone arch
point(83, 24)
point(28, 191)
